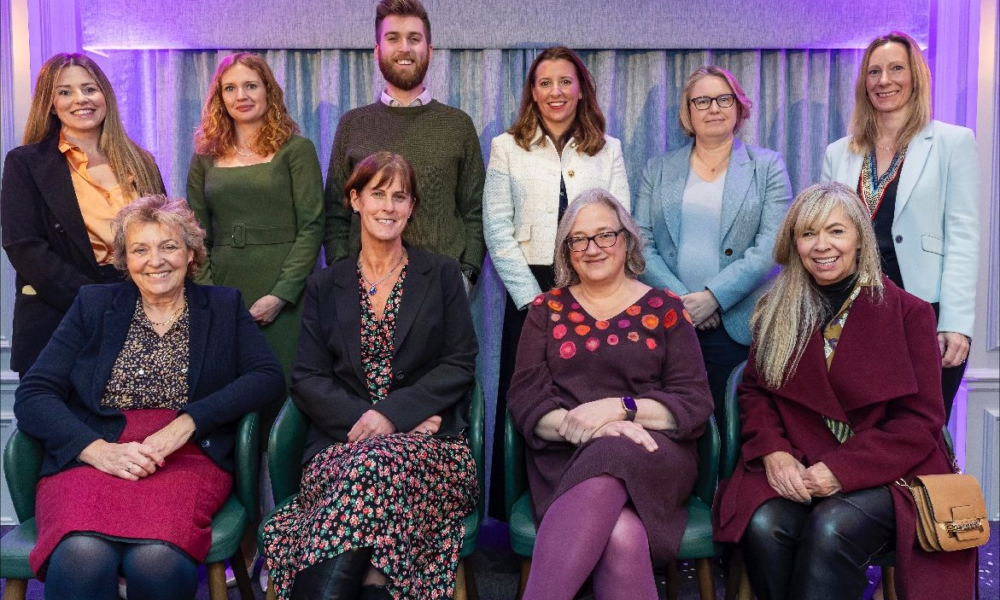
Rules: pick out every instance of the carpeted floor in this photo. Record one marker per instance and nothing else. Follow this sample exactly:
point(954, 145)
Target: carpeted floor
point(497, 570)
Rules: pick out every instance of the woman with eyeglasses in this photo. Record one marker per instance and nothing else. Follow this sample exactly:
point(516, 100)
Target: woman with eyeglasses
point(610, 395)
point(708, 212)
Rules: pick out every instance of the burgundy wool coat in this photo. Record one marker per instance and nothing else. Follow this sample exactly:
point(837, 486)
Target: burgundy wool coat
point(885, 380)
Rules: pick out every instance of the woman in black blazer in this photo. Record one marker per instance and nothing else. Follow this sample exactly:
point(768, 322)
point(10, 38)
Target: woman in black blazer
point(386, 359)
point(60, 191)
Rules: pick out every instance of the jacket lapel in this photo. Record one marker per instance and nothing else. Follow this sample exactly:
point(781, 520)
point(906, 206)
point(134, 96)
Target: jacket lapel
point(869, 369)
point(913, 166)
point(675, 176)
point(414, 291)
point(738, 180)
point(347, 307)
point(810, 386)
point(199, 317)
point(117, 320)
point(52, 171)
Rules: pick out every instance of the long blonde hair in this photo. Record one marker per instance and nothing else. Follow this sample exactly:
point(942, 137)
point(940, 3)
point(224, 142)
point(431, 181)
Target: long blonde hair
point(134, 168)
point(786, 317)
point(864, 123)
point(216, 134)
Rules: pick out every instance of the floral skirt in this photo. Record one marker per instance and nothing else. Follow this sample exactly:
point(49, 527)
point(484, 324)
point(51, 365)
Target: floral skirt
point(405, 496)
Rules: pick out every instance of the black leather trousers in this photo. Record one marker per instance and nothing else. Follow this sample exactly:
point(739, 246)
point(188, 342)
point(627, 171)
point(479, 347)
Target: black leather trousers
point(337, 578)
point(820, 551)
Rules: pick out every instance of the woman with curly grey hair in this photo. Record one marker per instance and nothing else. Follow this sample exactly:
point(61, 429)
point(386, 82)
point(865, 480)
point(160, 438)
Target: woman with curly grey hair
point(134, 400)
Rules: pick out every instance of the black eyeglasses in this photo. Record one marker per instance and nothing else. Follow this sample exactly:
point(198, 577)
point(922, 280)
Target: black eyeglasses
point(703, 102)
point(605, 239)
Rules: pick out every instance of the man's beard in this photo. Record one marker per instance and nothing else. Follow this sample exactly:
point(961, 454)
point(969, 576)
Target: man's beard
point(401, 80)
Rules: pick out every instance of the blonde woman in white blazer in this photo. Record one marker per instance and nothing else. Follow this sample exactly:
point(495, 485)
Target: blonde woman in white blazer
point(919, 178)
point(555, 150)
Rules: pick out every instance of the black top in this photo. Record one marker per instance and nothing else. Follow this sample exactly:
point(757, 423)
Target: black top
point(882, 222)
point(835, 294)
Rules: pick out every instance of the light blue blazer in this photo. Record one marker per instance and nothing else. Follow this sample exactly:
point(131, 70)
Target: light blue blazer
point(935, 227)
point(755, 198)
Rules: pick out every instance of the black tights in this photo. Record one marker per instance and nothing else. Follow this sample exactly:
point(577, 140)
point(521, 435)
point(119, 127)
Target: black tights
point(821, 551)
point(86, 567)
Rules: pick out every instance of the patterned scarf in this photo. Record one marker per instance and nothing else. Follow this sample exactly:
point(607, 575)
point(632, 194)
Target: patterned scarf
point(872, 188)
point(831, 336)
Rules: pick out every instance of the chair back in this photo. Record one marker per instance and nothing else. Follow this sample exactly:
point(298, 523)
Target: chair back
point(709, 446)
point(284, 451)
point(731, 427)
point(247, 475)
point(22, 459)
point(475, 435)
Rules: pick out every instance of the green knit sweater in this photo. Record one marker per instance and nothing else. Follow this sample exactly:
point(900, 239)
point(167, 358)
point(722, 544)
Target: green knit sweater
point(441, 144)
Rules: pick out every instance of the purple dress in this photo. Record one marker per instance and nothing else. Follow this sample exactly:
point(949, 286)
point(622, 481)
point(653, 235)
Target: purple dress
point(649, 350)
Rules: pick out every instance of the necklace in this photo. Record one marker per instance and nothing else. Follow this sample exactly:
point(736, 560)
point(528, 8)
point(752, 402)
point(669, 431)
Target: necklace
point(889, 148)
point(172, 318)
point(242, 153)
point(372, 287)
point(704, 162)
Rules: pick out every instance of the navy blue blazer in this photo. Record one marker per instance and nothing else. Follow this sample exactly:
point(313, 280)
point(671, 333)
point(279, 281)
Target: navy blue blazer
point(434, 352)
point(231, 372)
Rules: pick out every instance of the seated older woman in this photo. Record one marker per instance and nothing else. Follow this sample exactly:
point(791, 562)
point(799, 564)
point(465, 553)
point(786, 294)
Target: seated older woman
point(385, 363)
point(610, 394)
point(841, 398)
point(134, 399)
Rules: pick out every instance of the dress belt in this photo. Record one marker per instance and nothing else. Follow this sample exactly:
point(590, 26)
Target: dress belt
point(248, 235)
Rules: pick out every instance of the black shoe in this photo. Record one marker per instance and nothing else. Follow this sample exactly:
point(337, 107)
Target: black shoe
point(375, 592)
point(337, 578)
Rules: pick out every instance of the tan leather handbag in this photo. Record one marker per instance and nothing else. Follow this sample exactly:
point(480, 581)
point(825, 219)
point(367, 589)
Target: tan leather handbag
point(951, 512)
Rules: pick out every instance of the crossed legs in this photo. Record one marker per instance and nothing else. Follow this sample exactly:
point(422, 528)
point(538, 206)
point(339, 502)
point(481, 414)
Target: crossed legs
point(592, 529)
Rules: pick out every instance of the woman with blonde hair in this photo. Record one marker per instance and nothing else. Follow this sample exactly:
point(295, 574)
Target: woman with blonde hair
point(919, 180)
point(255, 186)
point(61, 189)
point(841, 399)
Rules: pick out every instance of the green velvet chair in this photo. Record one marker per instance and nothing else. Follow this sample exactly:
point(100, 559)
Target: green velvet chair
point(22, 459)
point(738, 585)
point(697, 543)
point(284, 457)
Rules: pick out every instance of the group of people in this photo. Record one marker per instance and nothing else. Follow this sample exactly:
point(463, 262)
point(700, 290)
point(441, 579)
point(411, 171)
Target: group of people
point(625, 317)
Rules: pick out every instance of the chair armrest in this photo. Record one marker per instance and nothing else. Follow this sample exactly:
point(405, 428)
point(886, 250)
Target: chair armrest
point(515, 476)
point(708, 463)
point(22, 460)
point(248, 461)
point(731, 429)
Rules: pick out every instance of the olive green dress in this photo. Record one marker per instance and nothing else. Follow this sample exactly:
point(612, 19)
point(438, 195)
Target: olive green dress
point(264, 228)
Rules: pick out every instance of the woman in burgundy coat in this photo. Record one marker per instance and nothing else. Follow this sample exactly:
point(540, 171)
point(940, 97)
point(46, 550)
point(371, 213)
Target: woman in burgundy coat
point(841, 398)
point(610, 394)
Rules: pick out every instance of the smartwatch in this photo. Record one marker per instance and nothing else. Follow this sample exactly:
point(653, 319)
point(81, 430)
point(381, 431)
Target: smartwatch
point(628, 403)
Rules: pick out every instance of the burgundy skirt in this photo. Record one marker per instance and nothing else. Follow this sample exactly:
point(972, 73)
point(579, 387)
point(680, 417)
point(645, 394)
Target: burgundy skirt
point(174, 505)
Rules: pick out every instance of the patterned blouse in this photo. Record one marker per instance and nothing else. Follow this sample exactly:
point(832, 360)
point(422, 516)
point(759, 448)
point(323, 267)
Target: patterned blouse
point(150, 371)
point(377, 338)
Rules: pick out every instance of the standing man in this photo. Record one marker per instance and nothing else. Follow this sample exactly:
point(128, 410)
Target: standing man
point(438, 140)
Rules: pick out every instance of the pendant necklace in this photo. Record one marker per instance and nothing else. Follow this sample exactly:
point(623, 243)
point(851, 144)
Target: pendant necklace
point(710, 167)
point(372, 287)
point(242, 153)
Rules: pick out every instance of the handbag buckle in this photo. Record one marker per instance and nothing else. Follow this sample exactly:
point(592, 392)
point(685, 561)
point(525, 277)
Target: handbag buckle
point(956, 527)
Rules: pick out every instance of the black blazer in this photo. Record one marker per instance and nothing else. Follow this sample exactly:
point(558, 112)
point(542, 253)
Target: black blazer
point(434, 360)
point(46, 242)
point(231, 372)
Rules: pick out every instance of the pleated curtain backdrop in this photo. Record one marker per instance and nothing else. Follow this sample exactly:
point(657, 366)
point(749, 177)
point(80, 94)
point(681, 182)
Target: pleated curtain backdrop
point(802, 100)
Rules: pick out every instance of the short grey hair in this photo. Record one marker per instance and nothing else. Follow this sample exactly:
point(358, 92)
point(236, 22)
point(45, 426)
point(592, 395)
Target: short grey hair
point(635, 264)
point(160, 210)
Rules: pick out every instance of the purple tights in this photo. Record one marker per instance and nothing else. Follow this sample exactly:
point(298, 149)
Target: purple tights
point(592, 529)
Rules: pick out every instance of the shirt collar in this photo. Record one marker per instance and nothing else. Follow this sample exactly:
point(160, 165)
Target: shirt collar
point(422, 100)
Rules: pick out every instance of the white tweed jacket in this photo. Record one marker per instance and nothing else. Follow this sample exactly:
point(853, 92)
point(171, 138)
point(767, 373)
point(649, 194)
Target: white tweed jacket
point(521, 202)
